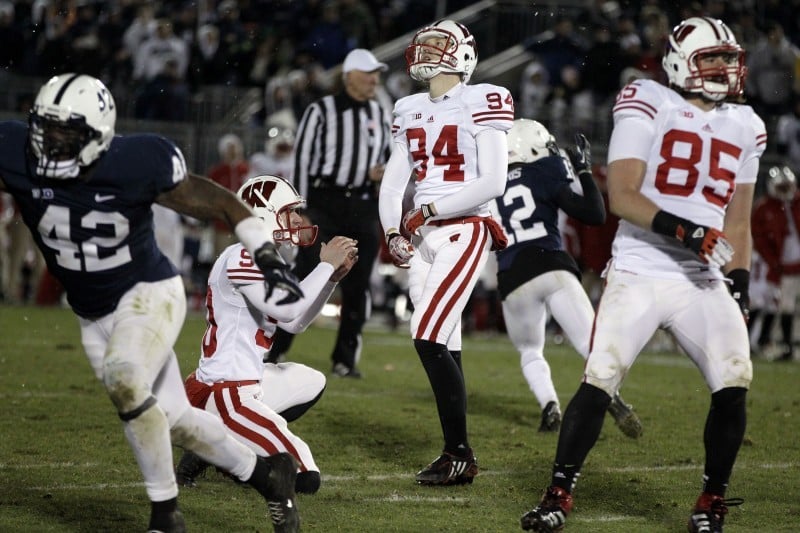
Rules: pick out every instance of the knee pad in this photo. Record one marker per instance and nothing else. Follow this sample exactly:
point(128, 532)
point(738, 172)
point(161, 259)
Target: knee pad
point(307, 482)
point(125, 387)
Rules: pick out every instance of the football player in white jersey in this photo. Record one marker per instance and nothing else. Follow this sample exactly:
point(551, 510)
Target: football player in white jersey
point(682, 168)
point(256, 399)
point(452, 138)
point(535, 274)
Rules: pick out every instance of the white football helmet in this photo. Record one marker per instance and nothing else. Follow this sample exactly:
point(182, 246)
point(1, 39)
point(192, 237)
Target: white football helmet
point(529, 141)
point(273, 199)
point(694, 38)
point(71, 124)
point(459, 54)
point(781, 183)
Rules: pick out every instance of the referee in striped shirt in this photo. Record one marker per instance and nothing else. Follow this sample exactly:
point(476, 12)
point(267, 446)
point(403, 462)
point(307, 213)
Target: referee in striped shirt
point(342, 144)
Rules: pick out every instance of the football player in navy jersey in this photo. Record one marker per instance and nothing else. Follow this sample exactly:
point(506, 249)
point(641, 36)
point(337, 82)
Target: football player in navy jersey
point(86, 196)
point(534, 273)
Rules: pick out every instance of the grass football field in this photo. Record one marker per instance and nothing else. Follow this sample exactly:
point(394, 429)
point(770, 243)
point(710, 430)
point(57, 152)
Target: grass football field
point(66, 467)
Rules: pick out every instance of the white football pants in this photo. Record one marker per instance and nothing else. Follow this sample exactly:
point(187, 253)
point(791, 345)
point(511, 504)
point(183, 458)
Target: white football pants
point(130, 351)
point(702, 316)
point(525, 315)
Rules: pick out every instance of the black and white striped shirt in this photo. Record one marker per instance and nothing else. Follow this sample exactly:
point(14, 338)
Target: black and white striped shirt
point(339, 139)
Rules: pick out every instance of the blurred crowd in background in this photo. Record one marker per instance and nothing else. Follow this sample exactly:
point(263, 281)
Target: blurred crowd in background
point(163, 53)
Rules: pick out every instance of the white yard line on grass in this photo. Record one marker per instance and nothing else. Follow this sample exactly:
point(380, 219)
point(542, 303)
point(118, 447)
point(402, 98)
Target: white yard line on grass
point(68, 464)
point(416, 499)
point(332, 478)
point(624, 469)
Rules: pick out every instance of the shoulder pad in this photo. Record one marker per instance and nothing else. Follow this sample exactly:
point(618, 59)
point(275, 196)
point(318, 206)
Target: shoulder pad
point(642, 98)
point(490, 105)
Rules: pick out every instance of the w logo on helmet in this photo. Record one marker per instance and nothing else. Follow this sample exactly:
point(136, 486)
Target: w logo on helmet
point(257, 194)
point(683, 33)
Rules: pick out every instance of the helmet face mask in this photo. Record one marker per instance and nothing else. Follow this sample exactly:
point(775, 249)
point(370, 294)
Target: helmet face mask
point(61, 140)
point(71, 124)
point(529, 141)
point(690, 62)
point(444, 46)
point(781, 183)
point(275, 200)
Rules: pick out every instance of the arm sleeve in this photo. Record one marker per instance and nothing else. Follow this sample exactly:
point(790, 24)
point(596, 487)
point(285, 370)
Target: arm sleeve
point(302, 322)
point(491, 182)
point(393, 187)
point(588, 208)
point(314, 283)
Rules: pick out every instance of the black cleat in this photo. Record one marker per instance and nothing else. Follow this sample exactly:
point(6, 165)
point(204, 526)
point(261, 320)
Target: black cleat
point(551, 418)
point(189, 468)
point(625, 418)
point(280, 492)
point(709, 513)
point(171, 522)
point(449, 469)
point(551, 513)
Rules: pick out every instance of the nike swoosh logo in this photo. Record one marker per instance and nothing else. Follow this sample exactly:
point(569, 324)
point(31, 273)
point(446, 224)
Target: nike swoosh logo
point(103, 197)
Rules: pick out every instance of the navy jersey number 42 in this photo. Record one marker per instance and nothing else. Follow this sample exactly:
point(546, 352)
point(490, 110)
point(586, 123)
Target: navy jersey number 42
point(96, 231)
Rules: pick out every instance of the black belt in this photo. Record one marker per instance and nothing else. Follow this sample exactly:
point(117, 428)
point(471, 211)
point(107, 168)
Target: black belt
point(360, 191)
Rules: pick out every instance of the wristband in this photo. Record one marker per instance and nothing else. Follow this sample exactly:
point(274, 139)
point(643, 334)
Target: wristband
point(740, 279)
point(428, 210)
point(669, 225)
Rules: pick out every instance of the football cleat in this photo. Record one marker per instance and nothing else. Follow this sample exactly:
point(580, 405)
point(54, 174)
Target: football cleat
point(190, 467)
point(449, 469)
point(280, 493)
point(551, 513)
point(167, 523)
point(709, 513)
point(625, 418)
point(551, 418)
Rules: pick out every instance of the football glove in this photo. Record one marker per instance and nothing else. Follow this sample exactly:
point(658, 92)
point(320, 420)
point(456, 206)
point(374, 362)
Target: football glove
point(400, 249)
point(417, 217)
point(740, 290)
point(581, 155)
point(709, 244)
point(277, 274)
